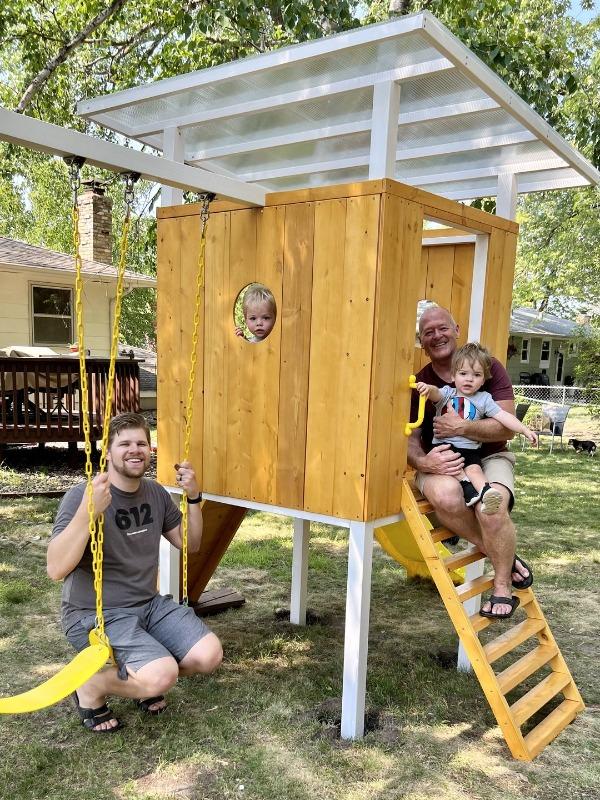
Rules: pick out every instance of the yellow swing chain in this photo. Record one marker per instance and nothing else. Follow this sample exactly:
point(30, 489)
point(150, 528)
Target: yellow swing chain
point(205, 199)
point(96, 528)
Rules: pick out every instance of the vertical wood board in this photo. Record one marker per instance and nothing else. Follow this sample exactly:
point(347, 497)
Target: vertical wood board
point(295, 316)
point(399, 283)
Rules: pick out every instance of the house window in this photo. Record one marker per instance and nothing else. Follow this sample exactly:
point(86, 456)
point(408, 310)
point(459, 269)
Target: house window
point(52, 315)
point(572, 348)
point(545, 353)
point(525, 351)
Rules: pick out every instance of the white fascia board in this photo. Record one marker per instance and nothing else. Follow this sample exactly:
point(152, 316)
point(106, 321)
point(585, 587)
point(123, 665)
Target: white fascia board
point(468, 63)
point(343, 129)
point(252, 65)
point(37, 135)
point(133, 281)
point(441, 240)
point(297, 96)
point(445, 148)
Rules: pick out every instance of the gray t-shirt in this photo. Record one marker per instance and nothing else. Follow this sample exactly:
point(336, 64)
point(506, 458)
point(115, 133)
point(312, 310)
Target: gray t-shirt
point(133, 525)
point(476, 406)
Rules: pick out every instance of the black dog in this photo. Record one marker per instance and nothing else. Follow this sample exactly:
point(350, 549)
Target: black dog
point(586, 446)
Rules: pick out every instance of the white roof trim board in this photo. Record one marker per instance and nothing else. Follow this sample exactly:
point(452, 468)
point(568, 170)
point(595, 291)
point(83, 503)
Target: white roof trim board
point(302, 116)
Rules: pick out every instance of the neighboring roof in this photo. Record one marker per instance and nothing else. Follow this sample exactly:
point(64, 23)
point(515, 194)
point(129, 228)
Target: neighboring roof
point(531, 321)
point(301, 116)
point(14, 253)
point(147, 380)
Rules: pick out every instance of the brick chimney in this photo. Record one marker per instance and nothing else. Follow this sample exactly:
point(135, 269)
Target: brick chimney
point(95, 222)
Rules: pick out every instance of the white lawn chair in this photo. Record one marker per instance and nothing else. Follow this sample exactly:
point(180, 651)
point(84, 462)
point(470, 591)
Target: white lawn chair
point(553, 423)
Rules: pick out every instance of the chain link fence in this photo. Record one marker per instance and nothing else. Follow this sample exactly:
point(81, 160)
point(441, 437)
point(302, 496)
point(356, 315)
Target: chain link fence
point(558, 395)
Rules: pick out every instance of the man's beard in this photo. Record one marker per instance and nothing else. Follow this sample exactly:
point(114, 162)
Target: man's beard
point(131, 472)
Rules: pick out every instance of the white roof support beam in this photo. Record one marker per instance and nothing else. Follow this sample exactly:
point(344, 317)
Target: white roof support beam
point(344, 129)
point(268, 103)
point(506, 198)
point(446, 148)
point(483, 172)
point(37, 135)
point(384, 130)
point(173, 148)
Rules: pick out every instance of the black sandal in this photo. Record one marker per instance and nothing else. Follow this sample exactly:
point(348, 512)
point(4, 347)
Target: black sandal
point(494, 600)
point(91, 717)
point(524, 583)
point(144, 705)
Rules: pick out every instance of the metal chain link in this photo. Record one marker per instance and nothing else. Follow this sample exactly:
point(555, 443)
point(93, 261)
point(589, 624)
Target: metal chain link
point(205, 200)
point(96, 528)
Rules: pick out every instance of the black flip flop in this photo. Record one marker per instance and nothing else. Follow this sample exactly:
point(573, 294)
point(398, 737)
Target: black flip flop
point(91, 717)
point(524, 583)
point(513, 602)
point(144, 705)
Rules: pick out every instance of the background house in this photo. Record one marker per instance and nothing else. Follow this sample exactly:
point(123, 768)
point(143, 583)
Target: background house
point(37, 285)
point(542, 348)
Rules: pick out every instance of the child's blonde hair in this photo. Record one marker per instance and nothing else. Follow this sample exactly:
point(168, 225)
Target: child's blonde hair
point(473, 353)
point(257, 293)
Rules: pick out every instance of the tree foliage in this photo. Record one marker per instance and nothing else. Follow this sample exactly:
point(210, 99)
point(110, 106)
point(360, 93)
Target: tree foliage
point(557, 265)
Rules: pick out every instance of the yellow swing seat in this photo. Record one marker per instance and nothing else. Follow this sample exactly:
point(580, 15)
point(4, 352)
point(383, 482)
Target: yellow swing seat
point(85, 664)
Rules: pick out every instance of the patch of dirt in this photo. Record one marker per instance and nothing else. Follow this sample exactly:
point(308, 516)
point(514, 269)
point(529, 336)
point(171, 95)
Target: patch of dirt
point(186, 782)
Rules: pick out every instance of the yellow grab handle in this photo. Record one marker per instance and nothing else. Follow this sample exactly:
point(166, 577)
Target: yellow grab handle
point(410, 426)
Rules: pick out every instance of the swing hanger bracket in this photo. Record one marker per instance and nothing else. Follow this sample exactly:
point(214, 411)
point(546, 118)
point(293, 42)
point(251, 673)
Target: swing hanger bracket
point(74, 163)
point(130, 178)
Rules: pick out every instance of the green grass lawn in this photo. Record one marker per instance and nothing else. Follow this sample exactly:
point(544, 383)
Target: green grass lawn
point(266, 725)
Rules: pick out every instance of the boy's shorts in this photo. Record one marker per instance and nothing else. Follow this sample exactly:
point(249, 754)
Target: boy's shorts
point(497, 468)
point(140, 634)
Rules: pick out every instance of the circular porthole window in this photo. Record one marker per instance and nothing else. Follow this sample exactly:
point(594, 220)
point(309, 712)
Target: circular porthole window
point(254, 313)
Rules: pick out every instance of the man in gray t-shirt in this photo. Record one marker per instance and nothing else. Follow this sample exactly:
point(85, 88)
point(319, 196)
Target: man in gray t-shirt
point(154, 639)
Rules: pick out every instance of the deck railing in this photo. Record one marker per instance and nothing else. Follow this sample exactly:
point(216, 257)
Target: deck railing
point(41, 397)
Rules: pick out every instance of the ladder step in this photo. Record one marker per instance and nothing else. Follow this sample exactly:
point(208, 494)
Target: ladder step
point(515, 674)
point(425, 507)
point(537, 697)
point(512, 638)
point(439, 534)
point(542, 734)
point(461, 559)
point(474, 587)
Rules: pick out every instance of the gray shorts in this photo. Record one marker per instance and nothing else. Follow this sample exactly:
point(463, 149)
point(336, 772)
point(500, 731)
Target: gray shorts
point(140, 634)
point(497, 468)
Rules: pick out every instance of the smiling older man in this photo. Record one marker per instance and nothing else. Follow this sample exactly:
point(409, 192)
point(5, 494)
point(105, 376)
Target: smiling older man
point(437, 467)
point(154, 639)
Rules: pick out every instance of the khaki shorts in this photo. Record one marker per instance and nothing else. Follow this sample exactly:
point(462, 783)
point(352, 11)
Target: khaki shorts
point(497, 468)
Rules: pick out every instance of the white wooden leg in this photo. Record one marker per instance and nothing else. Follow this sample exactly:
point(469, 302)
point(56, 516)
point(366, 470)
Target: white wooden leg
point(299, 571)
point(472, 606)
point(168, 582)
point(356, 637)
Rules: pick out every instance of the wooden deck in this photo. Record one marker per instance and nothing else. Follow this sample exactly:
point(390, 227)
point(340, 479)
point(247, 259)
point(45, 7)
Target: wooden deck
point(41, 397)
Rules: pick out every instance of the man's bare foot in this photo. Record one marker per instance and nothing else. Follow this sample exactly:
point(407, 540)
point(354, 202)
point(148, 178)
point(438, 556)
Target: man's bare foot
point(153, 705)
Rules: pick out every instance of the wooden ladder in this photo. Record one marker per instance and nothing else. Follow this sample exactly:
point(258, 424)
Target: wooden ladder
point(510, 716)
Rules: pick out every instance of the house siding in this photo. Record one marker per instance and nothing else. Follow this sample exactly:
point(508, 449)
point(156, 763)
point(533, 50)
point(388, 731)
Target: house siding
point(515, 366)
point(15, 308)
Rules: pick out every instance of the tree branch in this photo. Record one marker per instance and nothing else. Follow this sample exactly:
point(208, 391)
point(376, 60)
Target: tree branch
point(44, 75)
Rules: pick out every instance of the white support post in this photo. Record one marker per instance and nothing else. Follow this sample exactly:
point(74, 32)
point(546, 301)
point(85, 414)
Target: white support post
point(384, 130)
point(506, 199)
point(173, 149)
point(356, 637)
point(299, 571)
point(478, 286)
